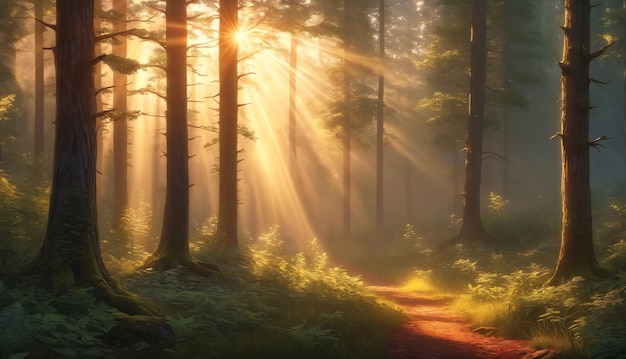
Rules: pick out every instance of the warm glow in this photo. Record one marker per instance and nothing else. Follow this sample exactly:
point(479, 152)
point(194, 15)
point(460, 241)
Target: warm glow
point(241, 36)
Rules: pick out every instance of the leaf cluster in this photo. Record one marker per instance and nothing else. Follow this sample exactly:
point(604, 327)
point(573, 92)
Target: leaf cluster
point(71, 325)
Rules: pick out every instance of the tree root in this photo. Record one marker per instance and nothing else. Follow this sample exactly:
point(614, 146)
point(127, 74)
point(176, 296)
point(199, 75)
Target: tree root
point(592, 272)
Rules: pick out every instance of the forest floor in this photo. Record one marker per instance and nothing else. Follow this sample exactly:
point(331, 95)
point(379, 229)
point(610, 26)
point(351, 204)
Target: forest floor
point(434, 330)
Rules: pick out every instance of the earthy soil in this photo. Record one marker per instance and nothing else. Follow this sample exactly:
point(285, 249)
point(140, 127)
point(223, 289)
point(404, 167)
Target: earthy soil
point(434, 331)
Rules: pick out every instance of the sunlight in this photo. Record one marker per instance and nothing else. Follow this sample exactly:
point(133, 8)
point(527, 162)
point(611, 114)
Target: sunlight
point(242, 36)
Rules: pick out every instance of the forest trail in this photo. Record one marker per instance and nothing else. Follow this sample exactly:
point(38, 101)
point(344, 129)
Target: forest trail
point(434, 331)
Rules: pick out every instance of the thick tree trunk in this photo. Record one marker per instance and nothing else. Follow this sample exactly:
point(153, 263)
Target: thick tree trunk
point(228, 59)
point(70, 255)
point(120, 125)
point(173, 248)
point(380, 208)
point(97, 83)
point(576, 257)
point(472, 227)
point(39, 83)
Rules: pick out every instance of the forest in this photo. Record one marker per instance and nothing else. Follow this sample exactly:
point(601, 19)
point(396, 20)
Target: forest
point(312, 179)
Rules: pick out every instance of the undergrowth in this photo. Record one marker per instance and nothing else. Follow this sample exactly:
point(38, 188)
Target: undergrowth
point(264, 304)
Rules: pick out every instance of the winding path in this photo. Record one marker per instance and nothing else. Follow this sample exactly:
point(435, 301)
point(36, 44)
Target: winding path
point(434, 331)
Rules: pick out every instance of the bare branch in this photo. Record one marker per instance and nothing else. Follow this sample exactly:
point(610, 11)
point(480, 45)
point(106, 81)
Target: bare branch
point(497, 156)
point(246, 74)
point(599, 83)
point(597, 142)
point(102, 89)
point(103, 113)
point(557, 134)
point(48, 25)
point(599, 52)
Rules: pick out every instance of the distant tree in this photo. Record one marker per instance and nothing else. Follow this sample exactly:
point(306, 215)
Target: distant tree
point(613, 24)
point(380, 118)
point(577, 257)
point(12, 15)
point(70, 255)
point(228, 119)
point(354, 108)
point(120, 117)
point(173, 248)
point(39, 80)
point(471, 227)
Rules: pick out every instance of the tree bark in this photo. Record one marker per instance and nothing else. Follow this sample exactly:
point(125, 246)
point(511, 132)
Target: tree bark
point(576, 257)
point(228, 59)
point(347, 122)
point(380, 208)
point(293, 80)
point(472, 228)
point(97, 81)
point(70, 255)
point(39, 83)
point(120, 125)
point(173, 248)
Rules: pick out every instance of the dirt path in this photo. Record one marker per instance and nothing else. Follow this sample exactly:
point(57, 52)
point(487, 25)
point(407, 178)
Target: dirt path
point(434, 331)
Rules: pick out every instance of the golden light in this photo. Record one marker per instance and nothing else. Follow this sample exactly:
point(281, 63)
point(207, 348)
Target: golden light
point(241, 36)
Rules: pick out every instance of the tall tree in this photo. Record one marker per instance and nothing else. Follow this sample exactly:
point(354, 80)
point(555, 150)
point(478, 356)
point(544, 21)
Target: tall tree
point(173, 248)
point(39, 80)
point(228, 118)
point(380, 118)
point(472, 228)
point(347, 119)
point(577, 257)
point(70, 255)
point(120, 123)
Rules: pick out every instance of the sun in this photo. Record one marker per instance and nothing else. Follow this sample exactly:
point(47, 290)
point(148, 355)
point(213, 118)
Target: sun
point(242, 36)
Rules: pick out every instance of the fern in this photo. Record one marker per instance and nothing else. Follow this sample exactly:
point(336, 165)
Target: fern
point(15, 333)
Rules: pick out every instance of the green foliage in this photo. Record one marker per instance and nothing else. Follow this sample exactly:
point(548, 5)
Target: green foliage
point(122, 65)
point(70, 325)
point(23, 218)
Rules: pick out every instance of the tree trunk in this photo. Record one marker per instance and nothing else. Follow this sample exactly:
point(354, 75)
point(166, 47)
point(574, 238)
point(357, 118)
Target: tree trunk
point(576, 257)
point(39, 83)
point(70, 255)
point(173, 248)
point(120, 125)
point(347, 123)
point(293, 76)
point(228, 59)
point(97, 83)
point(472, 227)
point(624, 85)
point(380, 214)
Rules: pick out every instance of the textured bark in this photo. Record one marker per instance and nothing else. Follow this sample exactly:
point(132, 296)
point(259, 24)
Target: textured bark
point(173, 248)
point(347, 122)
point(472, 227)
point(576, 257)
point(120, 125)
point(70, 255)
point(97, 83)
point(380, 214)
point(228, 59)
point(39, 83)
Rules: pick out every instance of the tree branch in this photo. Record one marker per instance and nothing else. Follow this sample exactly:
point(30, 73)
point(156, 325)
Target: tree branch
point(599, 52)
point(597, 142)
